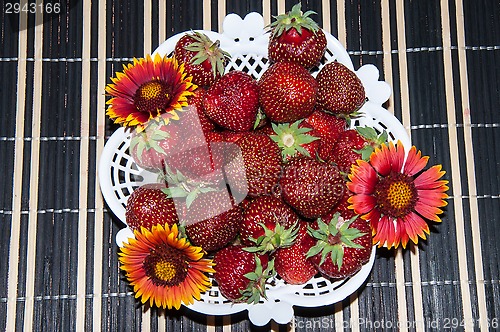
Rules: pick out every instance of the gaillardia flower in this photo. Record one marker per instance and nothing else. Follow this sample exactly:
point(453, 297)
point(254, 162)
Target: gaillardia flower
point(146, 89)
point(395, 195)
point(165, 268)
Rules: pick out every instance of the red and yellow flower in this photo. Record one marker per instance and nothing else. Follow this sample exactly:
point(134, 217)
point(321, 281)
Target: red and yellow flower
point(165, 269)
point(148, 88)
point(396, 196)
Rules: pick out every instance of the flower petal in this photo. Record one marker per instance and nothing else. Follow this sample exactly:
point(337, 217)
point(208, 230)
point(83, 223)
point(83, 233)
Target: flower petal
point(380, 159)
point(363, 178)
point(397, 154)
point(362, 204)
point(414, 162)
point(429, 212)
point(384, 235)
point(415, 227)
point(429, 179)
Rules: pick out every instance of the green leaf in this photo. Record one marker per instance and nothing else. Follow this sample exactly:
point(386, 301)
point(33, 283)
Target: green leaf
point(159, 135)
point(324, 253)
point(154, 145)
point(140, 150)
point(384, 137)
point(252, 276)
point(339, 257)
point(314, 250)
point(252, 249)
point(323, 227)
point(368, 133)
point(332, 227)
point(302, 151)
point(349, 243)
point(191, 197)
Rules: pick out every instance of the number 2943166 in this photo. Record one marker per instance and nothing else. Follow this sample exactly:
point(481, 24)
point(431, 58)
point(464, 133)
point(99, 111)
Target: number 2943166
point(32, 7)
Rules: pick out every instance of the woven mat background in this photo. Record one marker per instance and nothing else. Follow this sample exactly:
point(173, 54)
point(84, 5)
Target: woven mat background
point(58, 260)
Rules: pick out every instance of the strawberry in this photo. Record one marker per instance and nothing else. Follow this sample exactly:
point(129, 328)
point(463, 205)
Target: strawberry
point(196, 100)
point(224, 136)
point(232, 101)
point(287, 92)
point(268, 224)
point(342, 206)
point(296, 37)
point(220, 228)
point(296, 140)
point(241, 275)
point(342, 247)
point(255, 166)
point(354, 144)
point(204, 158)
point(266, 130)
point(311, 187)
point(291, 263)
point(344, 151)
point(150, 147)
point(340, 91)
point(203, 59)
point(328, 127)
point(148, 206)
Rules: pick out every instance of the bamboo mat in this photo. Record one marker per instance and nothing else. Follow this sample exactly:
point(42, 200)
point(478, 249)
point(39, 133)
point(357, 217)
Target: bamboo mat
point(58, 261)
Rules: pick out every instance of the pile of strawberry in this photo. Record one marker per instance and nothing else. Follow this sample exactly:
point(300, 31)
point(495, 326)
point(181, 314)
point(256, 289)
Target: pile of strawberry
point(283, 211)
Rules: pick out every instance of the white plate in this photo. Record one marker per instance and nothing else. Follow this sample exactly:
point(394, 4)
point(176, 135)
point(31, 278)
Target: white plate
point(246, 40)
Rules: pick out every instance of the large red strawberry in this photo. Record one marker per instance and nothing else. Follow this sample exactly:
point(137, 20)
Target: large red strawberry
point(311, 187)
point(241, 275)
point(287, 92)
point(203, 59)
point(328, 127)
point(354, 144)
point(254, 165)
point(292, 263)
point(296, 37)
point(297, 139)
point(148, 205)
point(268, 224)
point(342, 247)
point(232, 101)
point(218, 230)
point(340, 91)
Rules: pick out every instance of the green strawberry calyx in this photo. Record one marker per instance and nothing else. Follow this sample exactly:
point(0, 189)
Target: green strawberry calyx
point(294, 19)
point(374, 139)
point(149, 139)
point(257, 282)
point(333, 237)
point(180, 186)
point(206, 49)
point(291, 139)
point(279, 237)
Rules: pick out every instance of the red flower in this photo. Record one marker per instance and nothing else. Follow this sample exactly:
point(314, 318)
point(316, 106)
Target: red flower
point(165, 268)
point(396, 196)
point(146, 89)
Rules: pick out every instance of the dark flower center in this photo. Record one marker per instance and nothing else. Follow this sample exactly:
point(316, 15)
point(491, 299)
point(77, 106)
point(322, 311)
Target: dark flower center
point(166, 266)
point(152, 95)
point(396, 195)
